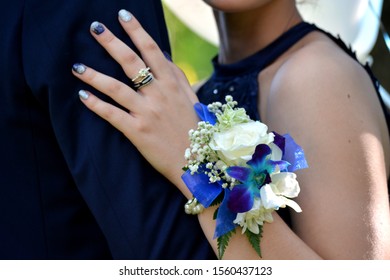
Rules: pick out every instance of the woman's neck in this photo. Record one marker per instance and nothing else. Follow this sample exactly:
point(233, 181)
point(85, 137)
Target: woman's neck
point(243, 34)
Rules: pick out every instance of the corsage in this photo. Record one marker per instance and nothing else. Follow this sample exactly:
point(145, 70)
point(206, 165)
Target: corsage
point(234, 163)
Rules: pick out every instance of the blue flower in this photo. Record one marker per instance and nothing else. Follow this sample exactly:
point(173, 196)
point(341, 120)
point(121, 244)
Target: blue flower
point(252, 178)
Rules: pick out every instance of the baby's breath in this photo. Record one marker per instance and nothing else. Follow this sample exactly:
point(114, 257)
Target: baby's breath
point(199, 153)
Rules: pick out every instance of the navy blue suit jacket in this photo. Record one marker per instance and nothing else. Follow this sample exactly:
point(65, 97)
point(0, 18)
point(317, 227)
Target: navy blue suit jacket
point(71, 186)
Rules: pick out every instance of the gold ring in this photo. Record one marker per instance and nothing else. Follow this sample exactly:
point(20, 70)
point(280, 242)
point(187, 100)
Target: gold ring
point(143, 78)
point(142, 74)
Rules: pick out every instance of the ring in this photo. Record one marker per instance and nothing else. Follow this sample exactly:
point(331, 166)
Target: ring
point(143, 78)
point(142, 73)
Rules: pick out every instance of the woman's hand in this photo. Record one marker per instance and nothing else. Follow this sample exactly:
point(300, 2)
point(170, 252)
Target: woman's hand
point(160, 113)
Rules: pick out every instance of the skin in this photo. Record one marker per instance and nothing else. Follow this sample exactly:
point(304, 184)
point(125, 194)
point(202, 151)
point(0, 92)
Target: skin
point(314, 91)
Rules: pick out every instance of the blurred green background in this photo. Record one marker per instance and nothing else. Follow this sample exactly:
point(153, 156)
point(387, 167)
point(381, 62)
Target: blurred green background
point(190, 52)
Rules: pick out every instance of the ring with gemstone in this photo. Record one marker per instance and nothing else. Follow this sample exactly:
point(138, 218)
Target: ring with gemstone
point(143, 78)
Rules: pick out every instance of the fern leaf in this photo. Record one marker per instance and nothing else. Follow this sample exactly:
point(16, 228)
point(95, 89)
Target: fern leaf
point(254, 239)
point(215, 214)
point(223, 242)
point(218, 199)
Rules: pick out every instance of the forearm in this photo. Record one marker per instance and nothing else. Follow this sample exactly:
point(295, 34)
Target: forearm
point(278, 241)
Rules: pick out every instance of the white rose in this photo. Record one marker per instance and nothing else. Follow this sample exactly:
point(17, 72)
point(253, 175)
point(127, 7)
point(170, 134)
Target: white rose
point(237, 144)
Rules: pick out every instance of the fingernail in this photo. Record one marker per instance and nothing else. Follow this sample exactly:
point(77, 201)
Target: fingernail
point(83, 94)
point(97, 28)
point(79, 68)
point(167, 56)
point(125, 15)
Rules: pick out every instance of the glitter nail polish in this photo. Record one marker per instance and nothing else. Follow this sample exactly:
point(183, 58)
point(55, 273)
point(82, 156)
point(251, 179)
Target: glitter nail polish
point(79, 68)
point(97, 28)
point(125, 15)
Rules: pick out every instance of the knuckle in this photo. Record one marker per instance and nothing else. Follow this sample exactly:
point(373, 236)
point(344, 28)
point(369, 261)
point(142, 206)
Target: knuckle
point(114, 88)
point(108, 113)
point(147, 123)
point(130, 58)
point(90, 76)
point(156, 112)
point(150, 45)
point(142, 126)
point(108, 39)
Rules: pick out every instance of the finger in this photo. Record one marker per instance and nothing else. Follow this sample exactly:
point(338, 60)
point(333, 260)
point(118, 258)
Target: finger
point(150, 51)
point(185, 85)
point(123, 54)
point(118, 91)
point(120, 119)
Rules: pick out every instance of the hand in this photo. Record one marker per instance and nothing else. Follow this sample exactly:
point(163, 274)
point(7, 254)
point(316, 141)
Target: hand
point(160, 114)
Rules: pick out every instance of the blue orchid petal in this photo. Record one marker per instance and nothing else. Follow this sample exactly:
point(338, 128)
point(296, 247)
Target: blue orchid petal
point(294, 154)
point(204, 114)
point(279, 141)
point(238, 172)
point(241, 199)
point(271, 165)
point(225, 217)
point(201, 188)
point(258, 157)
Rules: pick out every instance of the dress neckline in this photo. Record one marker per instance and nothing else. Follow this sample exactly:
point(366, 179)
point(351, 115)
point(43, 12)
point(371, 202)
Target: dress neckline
point(262, 58)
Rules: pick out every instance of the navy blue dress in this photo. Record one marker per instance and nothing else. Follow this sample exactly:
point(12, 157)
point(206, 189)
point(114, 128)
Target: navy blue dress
point(240, 79)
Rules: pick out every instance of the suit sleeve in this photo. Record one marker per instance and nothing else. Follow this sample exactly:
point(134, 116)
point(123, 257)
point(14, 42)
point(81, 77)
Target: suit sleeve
point(117, 184)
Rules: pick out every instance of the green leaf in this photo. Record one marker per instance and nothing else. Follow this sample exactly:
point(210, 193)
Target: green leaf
point(216, 202)
point(223, 242)
point(215, 214)
point(218, 199)
point(254, 239)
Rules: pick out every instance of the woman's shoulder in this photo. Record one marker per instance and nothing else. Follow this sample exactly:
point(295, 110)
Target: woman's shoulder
point(319, 69)
point(321, 92)
point(320, 83)
point(321, 59)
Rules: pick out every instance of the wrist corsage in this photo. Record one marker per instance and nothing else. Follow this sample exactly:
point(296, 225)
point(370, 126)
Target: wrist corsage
point(234, 163)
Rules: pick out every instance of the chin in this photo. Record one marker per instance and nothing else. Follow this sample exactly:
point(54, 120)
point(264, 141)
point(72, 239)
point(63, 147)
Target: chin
point(232, 6)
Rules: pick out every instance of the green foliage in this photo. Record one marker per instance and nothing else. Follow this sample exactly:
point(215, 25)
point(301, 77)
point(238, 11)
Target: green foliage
point(254, 239)
point(218, 200)
point(223, 242)
point(215, 214)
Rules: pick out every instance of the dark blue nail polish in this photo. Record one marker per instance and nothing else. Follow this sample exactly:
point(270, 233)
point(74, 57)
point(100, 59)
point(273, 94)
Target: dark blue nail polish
point(97, 28)
point(79, 68)
point(167, 56)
